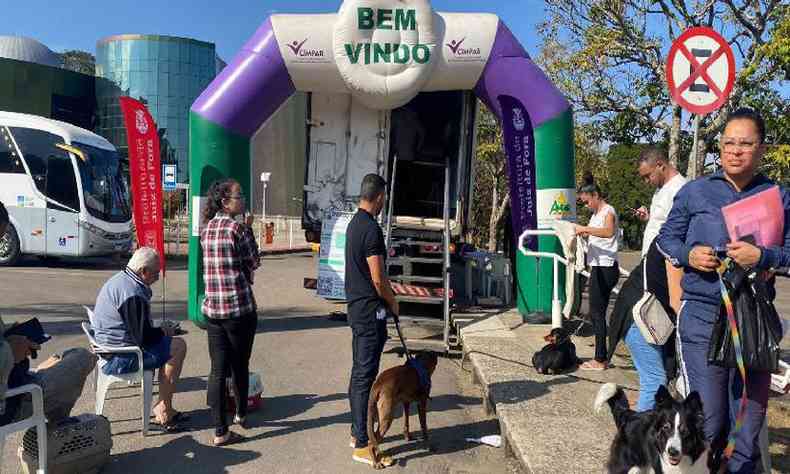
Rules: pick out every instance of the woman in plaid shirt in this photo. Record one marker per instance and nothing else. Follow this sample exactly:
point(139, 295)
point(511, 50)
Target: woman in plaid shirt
point(230, 257)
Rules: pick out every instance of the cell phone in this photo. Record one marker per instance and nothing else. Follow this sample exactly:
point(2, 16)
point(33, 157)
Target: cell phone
point(31, 329)
point(721, 252)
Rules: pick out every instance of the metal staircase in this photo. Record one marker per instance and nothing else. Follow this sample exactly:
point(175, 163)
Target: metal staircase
point(418, 265)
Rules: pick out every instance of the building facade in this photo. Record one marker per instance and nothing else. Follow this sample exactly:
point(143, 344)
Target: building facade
point(33, 82)
point(167, 74)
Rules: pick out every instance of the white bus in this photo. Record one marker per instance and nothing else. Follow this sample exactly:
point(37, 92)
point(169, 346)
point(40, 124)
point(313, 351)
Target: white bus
point(64, 190)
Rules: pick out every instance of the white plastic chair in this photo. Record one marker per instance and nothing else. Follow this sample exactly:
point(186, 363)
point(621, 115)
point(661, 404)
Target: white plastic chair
point(37, 419)
point(103, 381)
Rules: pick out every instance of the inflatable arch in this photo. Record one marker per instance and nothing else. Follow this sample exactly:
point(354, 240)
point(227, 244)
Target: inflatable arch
point(383, 53)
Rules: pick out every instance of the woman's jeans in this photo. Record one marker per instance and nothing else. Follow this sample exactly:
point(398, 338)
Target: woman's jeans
point(602, 281)
point(229, 347)
point(649, 362)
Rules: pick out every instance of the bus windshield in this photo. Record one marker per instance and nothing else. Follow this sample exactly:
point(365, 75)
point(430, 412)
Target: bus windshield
point(103, 185)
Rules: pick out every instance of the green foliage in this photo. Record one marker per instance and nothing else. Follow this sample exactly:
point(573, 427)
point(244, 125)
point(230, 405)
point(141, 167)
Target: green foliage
point(491, 166)
point(79, 61)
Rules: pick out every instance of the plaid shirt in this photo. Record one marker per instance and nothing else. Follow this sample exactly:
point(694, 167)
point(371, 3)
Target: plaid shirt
point(230, 256)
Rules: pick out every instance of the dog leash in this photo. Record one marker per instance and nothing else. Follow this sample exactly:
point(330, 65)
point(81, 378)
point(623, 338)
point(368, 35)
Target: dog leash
point(396, 319)
point(736, 341)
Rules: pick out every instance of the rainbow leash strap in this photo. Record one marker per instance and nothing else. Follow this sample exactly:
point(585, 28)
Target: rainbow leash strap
point(736, 341)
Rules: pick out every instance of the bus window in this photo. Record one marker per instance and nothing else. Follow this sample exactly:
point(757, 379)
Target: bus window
point(49, 165)
point(9, 160)
point(36, 145)
point(61, 181)
point(103, 184)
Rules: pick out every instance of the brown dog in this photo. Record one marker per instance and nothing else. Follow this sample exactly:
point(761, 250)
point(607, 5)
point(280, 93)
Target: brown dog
point(399, 385)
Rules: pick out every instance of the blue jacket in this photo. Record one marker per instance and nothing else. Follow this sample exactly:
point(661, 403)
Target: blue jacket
point(696, 219)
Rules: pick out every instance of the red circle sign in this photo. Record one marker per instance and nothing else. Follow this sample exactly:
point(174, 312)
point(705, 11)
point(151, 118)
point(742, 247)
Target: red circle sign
point(700, 70)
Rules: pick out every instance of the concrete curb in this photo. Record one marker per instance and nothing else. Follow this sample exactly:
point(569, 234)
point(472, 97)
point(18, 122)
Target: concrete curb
point(547, 422)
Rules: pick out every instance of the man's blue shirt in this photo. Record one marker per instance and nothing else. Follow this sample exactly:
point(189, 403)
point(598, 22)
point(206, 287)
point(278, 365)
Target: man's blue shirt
point(696, 219)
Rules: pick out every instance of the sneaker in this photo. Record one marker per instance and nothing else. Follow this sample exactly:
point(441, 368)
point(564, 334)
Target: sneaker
point(369, 456)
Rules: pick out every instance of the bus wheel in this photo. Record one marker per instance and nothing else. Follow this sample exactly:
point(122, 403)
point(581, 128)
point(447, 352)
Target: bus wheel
point(9, 246)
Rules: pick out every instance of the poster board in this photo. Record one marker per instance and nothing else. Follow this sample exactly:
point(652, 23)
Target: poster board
point(332, 257)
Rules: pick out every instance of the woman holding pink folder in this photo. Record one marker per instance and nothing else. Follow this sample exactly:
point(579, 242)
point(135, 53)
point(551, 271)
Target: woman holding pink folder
point(695, 237)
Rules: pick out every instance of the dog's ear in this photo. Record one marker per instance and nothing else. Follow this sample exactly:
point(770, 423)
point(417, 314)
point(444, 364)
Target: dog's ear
point(693, 405)
point(663, 397)
point(693, 402)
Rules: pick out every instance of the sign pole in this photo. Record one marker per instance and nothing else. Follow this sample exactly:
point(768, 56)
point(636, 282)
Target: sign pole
point(694, 170)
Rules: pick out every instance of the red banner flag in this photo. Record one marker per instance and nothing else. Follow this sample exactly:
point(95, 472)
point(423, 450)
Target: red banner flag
point(145, 171)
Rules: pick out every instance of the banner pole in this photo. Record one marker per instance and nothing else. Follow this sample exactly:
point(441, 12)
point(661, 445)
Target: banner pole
point(164, 290)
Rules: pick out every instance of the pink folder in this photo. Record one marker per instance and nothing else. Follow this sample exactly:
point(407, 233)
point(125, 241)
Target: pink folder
point(761, 215)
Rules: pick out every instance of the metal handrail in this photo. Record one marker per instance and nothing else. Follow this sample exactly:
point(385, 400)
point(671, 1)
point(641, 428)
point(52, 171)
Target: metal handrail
point(556, 308)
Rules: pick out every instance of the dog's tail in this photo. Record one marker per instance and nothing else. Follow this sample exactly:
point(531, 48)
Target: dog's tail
point(615, 397)
point(373, 412)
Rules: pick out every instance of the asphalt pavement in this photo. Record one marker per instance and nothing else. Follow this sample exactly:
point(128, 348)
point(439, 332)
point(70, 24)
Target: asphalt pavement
point(303, 356)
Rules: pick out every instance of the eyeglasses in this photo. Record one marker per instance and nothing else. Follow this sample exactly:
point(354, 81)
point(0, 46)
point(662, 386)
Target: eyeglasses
point(733, 144)
point(240, 197)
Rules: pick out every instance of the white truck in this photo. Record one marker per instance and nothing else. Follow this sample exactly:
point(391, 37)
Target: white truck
point(424, 150)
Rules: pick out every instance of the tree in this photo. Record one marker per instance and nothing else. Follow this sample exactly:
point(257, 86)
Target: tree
point(491, 193)
point(624, 189)
point(608, 57)
point(79, 61)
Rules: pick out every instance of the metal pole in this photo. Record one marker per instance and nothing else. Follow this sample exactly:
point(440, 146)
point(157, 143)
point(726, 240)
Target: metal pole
point(263, 215)
point(264, 201)
point(164, 287)
point(693, 170)
point(290, 233)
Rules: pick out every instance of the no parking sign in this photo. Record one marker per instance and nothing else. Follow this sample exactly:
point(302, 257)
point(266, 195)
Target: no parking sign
point(700, 70)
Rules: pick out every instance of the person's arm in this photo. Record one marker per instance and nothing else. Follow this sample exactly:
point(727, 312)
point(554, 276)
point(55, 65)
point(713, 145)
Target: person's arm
point(135, 313)
point(247, 247)
point(671, 238)
point(608, 229)
point(375, 248)
point(382, 283)
point(674, 276)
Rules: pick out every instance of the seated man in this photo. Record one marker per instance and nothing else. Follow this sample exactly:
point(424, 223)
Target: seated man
point(122, 317)
point(61, 377)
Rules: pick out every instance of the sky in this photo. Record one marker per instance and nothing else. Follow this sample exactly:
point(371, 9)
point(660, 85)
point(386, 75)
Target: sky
point(78, 24)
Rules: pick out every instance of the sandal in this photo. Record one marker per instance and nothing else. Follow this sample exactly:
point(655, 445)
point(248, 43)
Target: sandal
point(170, 427)
point(178, 417)
point(589, 366)
point(233, 438)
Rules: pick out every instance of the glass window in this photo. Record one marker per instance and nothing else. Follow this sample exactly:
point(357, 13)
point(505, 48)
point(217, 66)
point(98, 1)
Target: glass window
point(194, 56)
point(9, 160)
point(35, 146)
point(61, 181)
point(49, 165)
point(163, 84)
point(104, 184)
point(164, 66)
point(173, 85)
point(172, 48)
point(153, 50)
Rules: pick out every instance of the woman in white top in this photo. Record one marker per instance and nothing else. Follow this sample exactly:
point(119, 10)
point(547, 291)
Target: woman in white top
point(602, 258)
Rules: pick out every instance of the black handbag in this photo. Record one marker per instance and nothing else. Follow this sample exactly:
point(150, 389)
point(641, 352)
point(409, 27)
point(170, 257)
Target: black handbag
point(759, 325)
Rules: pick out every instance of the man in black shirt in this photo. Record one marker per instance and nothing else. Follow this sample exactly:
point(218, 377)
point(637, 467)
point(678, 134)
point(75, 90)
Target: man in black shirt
point(369, 297)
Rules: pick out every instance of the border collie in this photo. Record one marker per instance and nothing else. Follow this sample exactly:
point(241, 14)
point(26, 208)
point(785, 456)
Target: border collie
point(558, 355)
point(669, 439)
